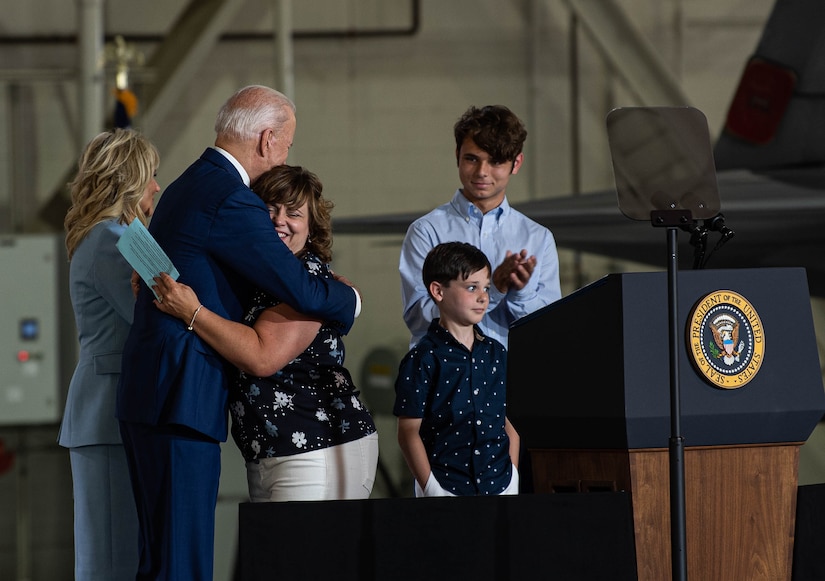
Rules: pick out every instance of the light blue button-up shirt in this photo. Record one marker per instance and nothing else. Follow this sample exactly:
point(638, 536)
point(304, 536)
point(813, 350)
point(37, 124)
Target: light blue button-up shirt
point(495, 233)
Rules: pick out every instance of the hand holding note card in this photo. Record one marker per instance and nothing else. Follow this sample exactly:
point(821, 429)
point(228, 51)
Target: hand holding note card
point(145, 255)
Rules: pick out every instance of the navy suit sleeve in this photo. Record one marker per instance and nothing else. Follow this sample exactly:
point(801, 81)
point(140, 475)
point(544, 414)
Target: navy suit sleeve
point(244, 239)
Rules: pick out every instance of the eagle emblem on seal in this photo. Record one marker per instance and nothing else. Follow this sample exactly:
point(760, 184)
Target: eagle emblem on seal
point(725, 331)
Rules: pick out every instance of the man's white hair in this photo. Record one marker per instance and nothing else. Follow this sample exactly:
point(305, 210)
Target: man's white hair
point(251, 110)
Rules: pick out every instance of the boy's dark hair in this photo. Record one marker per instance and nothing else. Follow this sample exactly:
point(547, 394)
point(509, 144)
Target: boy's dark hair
point(451, 261)
point(495, 129)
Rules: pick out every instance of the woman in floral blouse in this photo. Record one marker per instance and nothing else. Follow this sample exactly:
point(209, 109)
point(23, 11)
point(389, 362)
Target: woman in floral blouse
point(296, 415)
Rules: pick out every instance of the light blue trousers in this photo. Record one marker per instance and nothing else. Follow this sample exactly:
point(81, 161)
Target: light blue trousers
point(105, 518)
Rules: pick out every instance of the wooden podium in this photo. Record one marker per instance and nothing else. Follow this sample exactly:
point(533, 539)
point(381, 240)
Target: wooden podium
point(608, 427)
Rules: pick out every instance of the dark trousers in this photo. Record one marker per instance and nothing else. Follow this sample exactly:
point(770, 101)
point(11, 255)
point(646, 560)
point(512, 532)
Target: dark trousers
point(175, 473)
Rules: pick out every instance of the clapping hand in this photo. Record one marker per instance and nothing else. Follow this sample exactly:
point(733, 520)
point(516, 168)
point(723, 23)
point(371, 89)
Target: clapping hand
point(514, 272)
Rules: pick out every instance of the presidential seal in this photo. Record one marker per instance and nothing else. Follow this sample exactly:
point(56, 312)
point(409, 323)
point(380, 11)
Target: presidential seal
point(726, 339)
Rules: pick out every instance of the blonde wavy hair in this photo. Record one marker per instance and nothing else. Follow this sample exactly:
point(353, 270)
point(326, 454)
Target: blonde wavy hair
point(112, 176)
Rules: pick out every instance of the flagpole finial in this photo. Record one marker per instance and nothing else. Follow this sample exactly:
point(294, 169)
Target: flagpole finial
point(123, 55)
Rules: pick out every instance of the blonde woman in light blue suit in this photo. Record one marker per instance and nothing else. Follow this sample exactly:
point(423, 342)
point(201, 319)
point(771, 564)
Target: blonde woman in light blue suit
point(115, 184)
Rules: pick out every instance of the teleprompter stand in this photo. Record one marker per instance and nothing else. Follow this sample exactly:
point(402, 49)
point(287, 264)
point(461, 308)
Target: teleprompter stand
point(664, 169)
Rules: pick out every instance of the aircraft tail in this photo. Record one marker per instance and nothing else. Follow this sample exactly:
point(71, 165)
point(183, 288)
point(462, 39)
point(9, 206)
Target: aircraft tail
point(777, 115)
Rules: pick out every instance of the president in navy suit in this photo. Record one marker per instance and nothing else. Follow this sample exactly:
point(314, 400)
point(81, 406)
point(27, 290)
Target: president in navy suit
point(173, 389)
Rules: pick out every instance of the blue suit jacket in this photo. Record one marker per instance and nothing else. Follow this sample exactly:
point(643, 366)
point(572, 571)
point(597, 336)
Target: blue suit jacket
point(218, 234)
point(103, 302)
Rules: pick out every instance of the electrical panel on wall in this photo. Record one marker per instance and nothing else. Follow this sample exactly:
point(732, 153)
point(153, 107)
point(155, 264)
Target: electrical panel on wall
point(37, 342)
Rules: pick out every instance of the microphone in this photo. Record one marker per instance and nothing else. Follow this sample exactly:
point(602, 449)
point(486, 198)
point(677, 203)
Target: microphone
point(699, 241)
point(717, 224)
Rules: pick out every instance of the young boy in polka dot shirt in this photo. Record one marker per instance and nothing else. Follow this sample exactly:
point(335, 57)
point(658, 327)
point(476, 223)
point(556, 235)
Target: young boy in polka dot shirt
point(451, 387)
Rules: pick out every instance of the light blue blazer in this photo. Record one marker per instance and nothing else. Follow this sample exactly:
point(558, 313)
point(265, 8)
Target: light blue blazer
point(101, 293)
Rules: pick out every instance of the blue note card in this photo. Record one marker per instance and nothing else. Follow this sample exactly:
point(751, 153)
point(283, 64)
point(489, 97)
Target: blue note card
point(145, 255)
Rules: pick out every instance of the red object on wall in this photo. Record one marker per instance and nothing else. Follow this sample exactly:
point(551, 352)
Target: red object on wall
point(760, 101)
point(6, 458)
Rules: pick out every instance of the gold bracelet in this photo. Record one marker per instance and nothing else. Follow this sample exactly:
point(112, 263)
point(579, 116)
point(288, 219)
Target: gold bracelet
point(195, 314)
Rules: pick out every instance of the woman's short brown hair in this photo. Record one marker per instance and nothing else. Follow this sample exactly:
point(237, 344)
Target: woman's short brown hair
point(292, 186)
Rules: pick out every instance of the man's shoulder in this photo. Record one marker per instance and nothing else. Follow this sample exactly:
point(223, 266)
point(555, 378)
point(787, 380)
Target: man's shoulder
point(210, 174)
point(518, 215)
point(524, 224)
point(436, 213)
point(436, 222)
point(211, 163)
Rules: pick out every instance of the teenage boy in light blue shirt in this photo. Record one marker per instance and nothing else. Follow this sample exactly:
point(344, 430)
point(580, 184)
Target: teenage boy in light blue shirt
point(489, 143)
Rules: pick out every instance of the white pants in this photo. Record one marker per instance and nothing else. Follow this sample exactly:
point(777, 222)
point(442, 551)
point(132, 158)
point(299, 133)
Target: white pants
point(337, 473)
point(433, 488)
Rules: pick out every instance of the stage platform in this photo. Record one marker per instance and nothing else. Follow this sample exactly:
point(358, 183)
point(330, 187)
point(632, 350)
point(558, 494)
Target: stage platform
point(553, 537)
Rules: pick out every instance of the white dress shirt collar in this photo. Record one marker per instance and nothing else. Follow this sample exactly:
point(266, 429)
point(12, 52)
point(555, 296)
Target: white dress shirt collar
point(235, 162)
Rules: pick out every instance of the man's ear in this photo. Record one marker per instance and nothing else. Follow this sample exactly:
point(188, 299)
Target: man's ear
point(517, 163)
point(264, 141)
point(436, 291)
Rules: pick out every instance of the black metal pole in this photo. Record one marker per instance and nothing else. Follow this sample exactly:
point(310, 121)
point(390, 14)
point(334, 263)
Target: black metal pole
point(678, 537)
